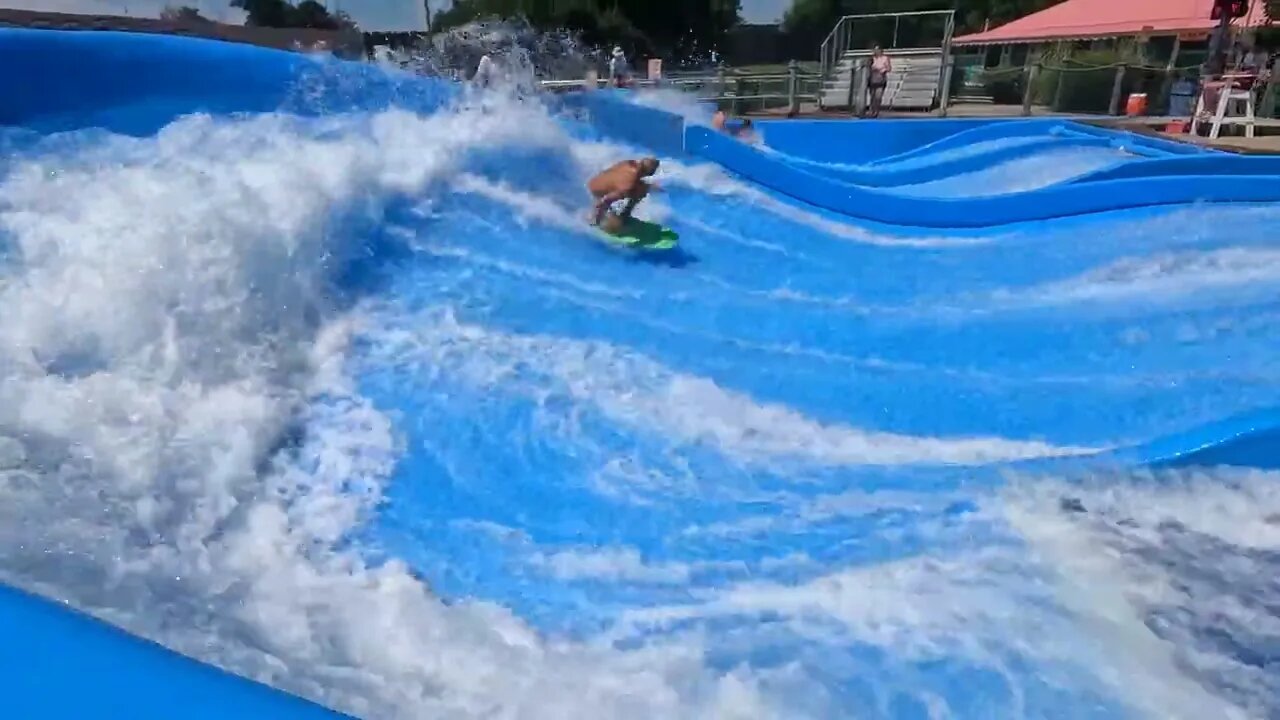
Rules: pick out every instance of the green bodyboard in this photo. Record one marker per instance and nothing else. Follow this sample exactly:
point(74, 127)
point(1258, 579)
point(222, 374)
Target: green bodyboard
point(642, 235)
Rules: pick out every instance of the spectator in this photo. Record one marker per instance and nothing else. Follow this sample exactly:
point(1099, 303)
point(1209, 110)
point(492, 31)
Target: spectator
point(881, 66)
point(618, 72)
point(484, 72)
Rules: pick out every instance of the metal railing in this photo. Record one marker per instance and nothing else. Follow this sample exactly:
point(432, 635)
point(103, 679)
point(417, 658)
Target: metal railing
point(742, 91)
point(839, 40)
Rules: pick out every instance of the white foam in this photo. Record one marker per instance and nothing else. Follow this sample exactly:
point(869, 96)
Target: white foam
point(166, 320)
point(855, 233)
point(635, 390)
point(1173, 553)
point(1157, 278)
point(613, 565)
point(167, 329)
point(527, 206)
point(688, 106)
point(1076, 602)
point(1033, 172)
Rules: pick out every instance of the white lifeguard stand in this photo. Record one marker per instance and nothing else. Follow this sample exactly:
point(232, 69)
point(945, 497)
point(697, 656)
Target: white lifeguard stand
point(1235, 91)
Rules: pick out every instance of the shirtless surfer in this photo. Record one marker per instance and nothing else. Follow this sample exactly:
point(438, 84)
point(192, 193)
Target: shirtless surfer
point(622, 181)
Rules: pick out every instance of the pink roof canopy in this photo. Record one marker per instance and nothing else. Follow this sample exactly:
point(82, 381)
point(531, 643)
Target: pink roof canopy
point(1076, 19)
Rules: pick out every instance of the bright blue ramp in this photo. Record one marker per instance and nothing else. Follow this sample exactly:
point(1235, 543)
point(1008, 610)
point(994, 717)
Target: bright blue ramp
point(1115, 189)
point(70, 666)
point(315, 373)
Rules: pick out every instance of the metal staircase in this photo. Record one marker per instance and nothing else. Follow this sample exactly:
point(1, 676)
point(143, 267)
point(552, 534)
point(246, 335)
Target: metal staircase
point(915, 83)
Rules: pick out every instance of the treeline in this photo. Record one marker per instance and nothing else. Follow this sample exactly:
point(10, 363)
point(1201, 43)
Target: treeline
point(281, 14)
point(688, 30)
point(681, 29)
point(271, 14)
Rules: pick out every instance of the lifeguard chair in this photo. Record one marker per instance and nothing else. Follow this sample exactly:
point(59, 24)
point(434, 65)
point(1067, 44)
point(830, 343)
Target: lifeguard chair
point(1236, 91)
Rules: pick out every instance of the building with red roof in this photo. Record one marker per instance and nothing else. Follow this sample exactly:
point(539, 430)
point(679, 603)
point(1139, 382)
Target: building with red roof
point(1100, 19)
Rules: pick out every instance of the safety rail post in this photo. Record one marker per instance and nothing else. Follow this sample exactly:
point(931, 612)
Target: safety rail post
point(793, 88)
point(853, 83)
point(1060, 89)
point(1117, 88)
point(948, 69)
point(1170, 67)
point(1032, 73)
point(859, 76)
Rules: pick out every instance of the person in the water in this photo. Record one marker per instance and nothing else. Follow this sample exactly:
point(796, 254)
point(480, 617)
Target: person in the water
point(743, 130)
point(622, 181)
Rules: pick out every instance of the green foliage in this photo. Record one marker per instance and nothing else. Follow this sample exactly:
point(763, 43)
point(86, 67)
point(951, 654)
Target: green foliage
point(972, 15)
point(265, 13)
point(281, 14)
point(182, 14)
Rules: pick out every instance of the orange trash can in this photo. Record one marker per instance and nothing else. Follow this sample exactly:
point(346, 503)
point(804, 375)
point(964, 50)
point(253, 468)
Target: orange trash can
point(1137, 105)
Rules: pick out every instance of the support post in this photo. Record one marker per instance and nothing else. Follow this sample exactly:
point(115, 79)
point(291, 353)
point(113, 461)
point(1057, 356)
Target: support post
point(948, 63)
point(1031, 74)
point(853, 85)
point(858, 89)
point(1062, 78)
point(793, 88)
point(1166, 87)
point(1059, 90)
point(948, 69)
point(1117, 88)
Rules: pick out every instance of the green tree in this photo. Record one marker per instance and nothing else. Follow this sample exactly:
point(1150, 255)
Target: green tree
point(973, 15)
point(182, 14)
point(311, 14)
point(281, 14)
point(265, 13)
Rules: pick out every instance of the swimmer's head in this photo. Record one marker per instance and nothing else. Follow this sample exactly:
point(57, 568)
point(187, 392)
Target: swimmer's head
point(648, 166)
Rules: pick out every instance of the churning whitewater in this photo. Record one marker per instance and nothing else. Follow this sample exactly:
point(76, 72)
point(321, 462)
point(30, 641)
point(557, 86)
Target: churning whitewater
point(356, 405)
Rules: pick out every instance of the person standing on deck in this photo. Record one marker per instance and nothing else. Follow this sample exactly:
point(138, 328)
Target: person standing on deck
point(618, 68)
point(881, 66)
point(484, 72)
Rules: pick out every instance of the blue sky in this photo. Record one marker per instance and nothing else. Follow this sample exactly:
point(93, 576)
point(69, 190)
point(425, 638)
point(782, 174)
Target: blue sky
point(371, 14)
point(764, 11)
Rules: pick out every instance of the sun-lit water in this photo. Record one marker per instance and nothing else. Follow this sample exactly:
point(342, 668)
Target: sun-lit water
point(358, 406)
point(1032, 172)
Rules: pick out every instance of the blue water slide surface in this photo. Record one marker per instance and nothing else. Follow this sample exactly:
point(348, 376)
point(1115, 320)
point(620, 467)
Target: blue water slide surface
point(1053, 202)
point(315, 372)
point(56, 663)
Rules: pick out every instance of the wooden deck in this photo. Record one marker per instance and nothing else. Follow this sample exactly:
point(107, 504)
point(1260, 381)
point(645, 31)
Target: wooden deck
point(1266, 142)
